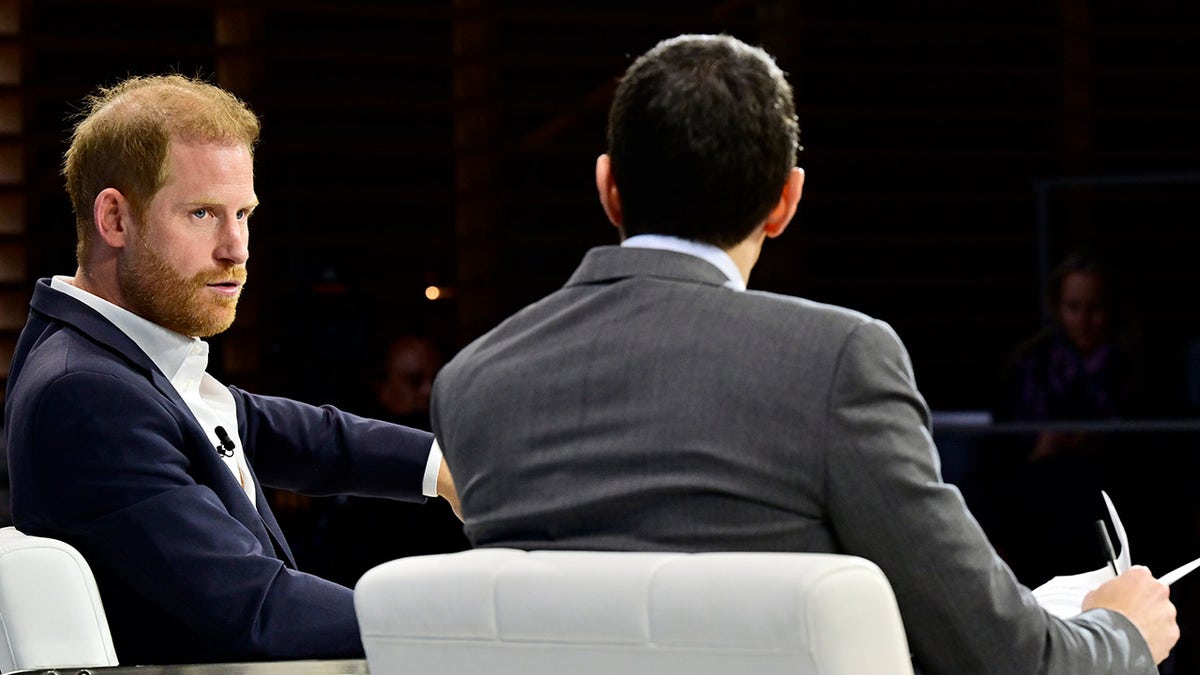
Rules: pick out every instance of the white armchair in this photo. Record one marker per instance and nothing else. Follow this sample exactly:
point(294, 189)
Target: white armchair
point(52, 621)
point(510, 612)
point(50, 610)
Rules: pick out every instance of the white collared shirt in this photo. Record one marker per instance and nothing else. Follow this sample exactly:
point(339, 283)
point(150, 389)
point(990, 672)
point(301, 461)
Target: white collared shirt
point(713, 254)
point(183, 360)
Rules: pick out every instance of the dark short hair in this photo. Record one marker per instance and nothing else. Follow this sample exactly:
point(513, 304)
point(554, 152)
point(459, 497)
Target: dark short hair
point(702, 136)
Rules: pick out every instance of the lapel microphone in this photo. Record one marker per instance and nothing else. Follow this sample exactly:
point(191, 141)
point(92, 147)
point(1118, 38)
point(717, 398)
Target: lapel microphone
point(225, 449)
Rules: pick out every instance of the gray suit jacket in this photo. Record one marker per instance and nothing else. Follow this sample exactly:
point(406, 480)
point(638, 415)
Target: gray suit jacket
point(647, 406)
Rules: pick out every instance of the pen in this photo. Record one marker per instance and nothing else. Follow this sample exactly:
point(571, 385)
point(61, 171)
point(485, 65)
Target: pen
point(1106, 546)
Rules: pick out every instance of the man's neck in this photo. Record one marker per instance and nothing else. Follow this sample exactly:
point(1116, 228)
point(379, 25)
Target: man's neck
point(745, 253)
point(86, 280)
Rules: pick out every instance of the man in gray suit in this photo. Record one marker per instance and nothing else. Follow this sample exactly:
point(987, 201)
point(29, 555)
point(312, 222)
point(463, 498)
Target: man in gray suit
point(655, 404)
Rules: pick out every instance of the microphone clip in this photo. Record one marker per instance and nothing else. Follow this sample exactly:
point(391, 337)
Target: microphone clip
point(226, 446)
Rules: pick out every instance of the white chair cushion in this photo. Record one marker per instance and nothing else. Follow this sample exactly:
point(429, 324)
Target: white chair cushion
point(50, 609)
point(502, 611)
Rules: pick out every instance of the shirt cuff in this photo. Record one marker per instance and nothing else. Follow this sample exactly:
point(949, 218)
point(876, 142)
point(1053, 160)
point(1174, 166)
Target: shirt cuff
point(432, 466)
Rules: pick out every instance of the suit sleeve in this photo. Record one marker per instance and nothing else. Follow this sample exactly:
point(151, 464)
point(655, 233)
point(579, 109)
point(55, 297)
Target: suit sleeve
point(963, 610)
point(325, 451)
point(113, 478)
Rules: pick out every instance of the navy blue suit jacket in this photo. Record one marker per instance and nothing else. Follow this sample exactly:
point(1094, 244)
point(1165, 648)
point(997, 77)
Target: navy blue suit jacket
point(105, 455)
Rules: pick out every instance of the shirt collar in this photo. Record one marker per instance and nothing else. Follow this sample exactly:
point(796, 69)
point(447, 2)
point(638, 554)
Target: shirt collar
point(166, 348)
point(713, 254)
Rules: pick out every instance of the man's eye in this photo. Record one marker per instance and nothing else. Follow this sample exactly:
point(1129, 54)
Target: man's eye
point(200, 213)
point(242, 213)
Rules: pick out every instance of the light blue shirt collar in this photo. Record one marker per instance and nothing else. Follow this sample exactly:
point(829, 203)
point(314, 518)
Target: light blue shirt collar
point(712, 254)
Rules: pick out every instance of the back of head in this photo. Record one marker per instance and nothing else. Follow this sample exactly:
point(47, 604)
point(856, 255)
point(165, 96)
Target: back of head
point(702, 135)
point(123, 139)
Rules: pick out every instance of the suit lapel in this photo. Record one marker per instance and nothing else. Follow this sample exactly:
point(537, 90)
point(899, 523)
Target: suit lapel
point(266, 517)
point(48, 305)
point(53, 306)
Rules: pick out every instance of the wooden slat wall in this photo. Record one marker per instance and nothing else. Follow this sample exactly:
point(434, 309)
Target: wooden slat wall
point(13, 219)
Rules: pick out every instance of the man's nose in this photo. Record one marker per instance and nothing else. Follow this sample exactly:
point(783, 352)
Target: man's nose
point(234, 245)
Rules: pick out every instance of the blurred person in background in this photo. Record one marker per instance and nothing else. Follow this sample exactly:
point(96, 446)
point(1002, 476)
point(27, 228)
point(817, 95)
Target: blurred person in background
point(1044, 486)
point(342, 537)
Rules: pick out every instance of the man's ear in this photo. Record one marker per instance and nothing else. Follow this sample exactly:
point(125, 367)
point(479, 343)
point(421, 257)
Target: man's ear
point(113, 215)
point(610, 199)
point(777, 221)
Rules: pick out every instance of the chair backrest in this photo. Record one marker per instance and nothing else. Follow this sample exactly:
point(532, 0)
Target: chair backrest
point(509, 612)
point(50, 609)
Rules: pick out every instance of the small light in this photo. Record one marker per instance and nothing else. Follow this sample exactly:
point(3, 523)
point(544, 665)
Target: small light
point(433, 292)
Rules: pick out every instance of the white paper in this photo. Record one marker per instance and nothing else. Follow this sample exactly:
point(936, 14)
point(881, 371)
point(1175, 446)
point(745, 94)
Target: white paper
point(1179, 572)
point(1063, 596)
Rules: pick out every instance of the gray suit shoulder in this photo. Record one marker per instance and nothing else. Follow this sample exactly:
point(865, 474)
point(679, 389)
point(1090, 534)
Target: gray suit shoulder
point(838, 319)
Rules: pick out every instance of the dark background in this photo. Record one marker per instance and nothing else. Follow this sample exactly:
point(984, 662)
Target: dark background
point(452, 143)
